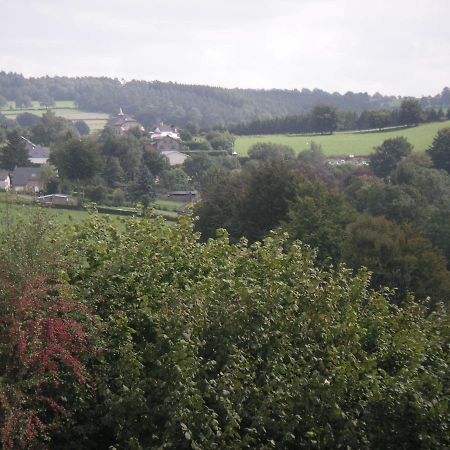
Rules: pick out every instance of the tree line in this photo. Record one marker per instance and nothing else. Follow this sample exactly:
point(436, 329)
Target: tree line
point(155, 101)
point(325, 118)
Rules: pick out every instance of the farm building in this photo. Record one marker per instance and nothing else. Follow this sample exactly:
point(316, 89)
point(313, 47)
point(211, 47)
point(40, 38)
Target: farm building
point(54, 199)
point(26, 179)
point(184, 196)
point(123, 123)
point(5, 180)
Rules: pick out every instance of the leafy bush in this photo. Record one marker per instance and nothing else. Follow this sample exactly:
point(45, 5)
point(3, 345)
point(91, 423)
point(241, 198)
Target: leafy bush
point(217, 345)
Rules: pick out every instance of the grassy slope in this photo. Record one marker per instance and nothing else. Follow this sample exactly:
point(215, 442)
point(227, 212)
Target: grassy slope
point(14, 206)
point(344, 144)
point(64, 108)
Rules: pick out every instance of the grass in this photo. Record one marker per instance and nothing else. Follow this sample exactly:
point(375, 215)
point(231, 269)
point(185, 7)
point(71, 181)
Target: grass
point(19, 206)
point(62, 108)
point(341, 144)
point(9, 213)
point(168, 205)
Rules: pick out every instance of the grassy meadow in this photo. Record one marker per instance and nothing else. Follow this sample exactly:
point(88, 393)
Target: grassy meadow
point(63, 108)
point(20, 207)
point(341, 144)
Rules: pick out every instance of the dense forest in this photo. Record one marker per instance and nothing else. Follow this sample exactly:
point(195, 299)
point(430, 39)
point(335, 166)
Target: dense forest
point(151, 102)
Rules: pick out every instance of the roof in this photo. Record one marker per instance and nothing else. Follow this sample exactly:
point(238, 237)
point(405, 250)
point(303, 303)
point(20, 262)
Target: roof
point(159, 137)
point(183, 193)
point(175, 157)
point(36, 150)
point(22, 175)
point(39, 152)
point(121, 119)
point(165, 128)
point(163, 131)
point(54, 195)
point(3, 174)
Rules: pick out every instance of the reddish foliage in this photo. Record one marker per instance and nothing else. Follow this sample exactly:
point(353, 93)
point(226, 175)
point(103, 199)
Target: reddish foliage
point(45, 340)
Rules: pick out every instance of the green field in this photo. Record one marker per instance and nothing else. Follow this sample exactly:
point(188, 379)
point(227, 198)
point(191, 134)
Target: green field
point(9, 213)
point(63, 108)
point(341, 144)
point(18, 206)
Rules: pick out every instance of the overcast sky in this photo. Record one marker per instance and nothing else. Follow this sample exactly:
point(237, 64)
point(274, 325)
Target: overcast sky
point(399, 47)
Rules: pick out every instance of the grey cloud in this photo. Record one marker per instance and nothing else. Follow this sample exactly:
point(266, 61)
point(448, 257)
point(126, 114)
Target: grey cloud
point(398, 47)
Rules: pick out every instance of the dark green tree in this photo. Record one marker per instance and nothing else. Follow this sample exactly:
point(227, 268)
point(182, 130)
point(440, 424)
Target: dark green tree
point(388, 154)
point(127, 148)
point(324, 119)
point(27, 119)
point(192, 128)
point(14, 153)
point(318, 217)
point(49, 128)
point(78, 160)
point(143, 189)
point(440, 150)
point(197, 165)
point(221, 140)
point(399, 257)
point(155, 162)
point(82, 127)
point(113, 173)
point(410, 111)
point(268, 150)
point(23, 101)
point(379, 119)
point(176, 179)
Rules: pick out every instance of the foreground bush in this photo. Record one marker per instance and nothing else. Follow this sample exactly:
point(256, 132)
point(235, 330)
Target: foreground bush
point(44, 337)
point(229, 346)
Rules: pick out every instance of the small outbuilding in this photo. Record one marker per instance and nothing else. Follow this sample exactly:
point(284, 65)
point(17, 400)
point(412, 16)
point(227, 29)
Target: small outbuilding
point(54, 199)
point(5, 180)
point(184, 196)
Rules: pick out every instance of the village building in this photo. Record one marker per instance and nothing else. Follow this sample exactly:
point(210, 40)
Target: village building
point(184, 196)
point(163, 130)
point(123, 123)
point(54, 199)
point(26, 179)
point(5, 180)
point(37, 154)
point(166, 138)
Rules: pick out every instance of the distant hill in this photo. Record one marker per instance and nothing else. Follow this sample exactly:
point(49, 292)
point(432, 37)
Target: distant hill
point(154, 101)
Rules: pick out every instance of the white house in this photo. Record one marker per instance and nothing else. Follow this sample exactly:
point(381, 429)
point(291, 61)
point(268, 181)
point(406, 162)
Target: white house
point(164, 130)
point(5, 180)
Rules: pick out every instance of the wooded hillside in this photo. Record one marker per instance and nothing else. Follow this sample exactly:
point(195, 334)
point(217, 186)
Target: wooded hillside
point(153, 101)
